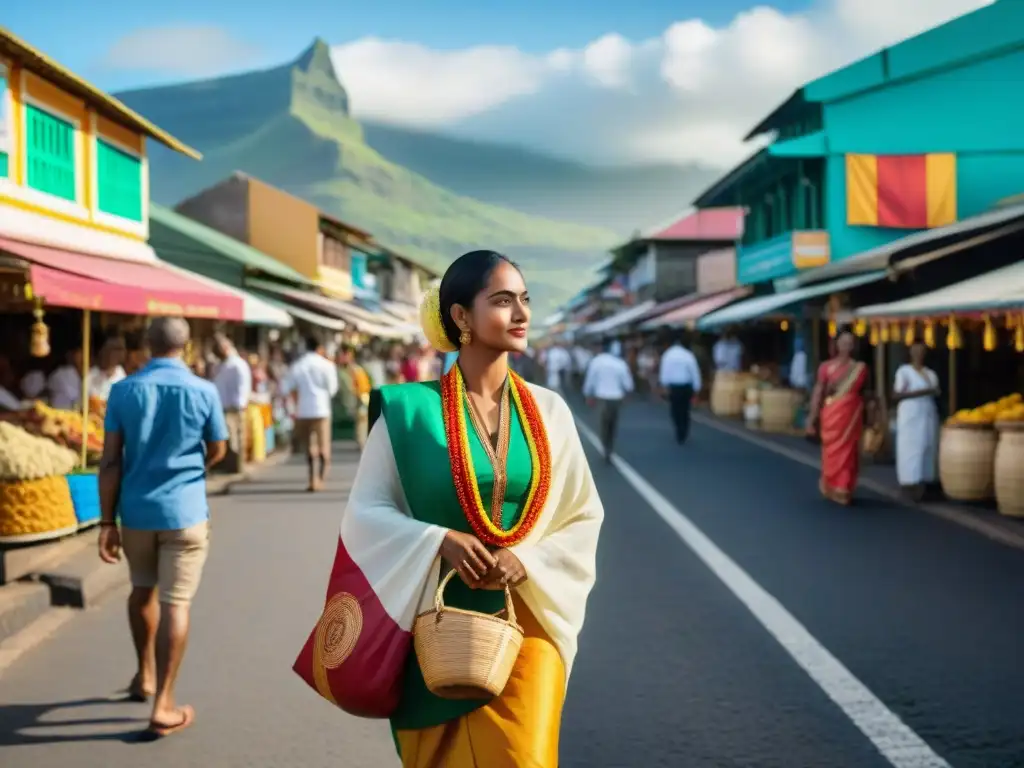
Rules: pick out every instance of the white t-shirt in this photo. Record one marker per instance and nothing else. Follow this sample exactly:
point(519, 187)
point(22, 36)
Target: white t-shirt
point(608, 378)
point(100, 383)
point(314, 380)
point(679, 367)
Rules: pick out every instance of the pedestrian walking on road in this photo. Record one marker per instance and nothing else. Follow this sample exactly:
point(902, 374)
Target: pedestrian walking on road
point(313, 381)
point(233, 379)
point(485, 474)
point(917, 423)
point(607, 382)
point(164, 429)
point(679, 378)
point(837, 411)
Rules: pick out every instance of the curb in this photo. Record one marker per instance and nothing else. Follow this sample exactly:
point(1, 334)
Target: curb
point(945, 512)
point(76, 578)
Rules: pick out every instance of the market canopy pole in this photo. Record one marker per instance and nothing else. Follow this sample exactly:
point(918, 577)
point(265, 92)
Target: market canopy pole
point(86, 346)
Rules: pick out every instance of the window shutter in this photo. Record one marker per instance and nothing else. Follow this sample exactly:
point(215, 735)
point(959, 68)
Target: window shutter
point(118, 182)
point(51, 154)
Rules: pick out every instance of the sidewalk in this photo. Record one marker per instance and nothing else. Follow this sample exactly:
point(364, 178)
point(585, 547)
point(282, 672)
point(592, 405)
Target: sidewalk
point(262, 589)
point(67, 573)
point(879, 478)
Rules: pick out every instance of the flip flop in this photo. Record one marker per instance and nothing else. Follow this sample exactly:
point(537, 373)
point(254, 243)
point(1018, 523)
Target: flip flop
point(162, 730)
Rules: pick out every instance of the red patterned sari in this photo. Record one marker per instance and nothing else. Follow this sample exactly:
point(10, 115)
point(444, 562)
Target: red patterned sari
point(842, 421)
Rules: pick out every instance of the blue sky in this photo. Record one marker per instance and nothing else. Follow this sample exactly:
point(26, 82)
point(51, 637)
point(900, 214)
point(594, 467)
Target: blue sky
point(78, 34)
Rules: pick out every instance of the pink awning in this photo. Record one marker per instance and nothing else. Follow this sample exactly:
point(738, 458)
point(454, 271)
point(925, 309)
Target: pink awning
point(695, 310)
point(69, 279)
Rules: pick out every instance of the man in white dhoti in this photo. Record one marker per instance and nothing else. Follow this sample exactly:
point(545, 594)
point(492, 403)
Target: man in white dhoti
point(917, 423)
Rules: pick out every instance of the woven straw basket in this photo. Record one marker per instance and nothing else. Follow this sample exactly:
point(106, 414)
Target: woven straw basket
point(465, 654)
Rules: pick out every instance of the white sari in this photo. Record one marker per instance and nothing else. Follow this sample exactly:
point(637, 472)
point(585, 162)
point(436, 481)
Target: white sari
point(917, 427)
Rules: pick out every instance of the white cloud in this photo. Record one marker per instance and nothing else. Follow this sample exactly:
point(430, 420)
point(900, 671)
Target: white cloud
point(188, 50)
point(689, 94)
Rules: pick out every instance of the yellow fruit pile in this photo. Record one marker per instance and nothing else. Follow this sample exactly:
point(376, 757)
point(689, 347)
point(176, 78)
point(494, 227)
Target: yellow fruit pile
point(27, 457)
point(1009, 408)
point(31, 508)
point(69, 421)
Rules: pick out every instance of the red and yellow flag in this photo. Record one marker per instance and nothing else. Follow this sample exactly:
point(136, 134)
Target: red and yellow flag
point(901, 191)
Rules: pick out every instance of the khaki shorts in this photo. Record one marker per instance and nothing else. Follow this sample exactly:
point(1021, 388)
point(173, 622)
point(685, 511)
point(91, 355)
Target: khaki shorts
point(171, 561)
point(314, 435)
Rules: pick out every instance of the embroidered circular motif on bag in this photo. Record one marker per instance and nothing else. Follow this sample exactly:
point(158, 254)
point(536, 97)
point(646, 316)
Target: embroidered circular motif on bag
point(338, 630)
point(453, 395)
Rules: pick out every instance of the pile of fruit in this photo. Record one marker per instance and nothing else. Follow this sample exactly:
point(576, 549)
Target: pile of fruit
point(26, 457)
point(1009, 408)
point(35, 499)
point(62, 427)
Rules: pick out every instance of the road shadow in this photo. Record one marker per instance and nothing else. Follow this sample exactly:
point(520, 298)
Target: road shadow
point(50, 723)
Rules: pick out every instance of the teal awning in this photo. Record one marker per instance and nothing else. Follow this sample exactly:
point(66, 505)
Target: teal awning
point(759, 306)
point(811, 145)
point(999, 289)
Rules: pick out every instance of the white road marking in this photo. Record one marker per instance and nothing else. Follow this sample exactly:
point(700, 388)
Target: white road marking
point(891, 736)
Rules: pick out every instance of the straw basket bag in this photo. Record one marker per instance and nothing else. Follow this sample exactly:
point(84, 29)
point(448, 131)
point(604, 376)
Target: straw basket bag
point(465, 654)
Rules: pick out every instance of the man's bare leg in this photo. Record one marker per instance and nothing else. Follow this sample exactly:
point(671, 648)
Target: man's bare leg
point(171, 642)
point(143, 618)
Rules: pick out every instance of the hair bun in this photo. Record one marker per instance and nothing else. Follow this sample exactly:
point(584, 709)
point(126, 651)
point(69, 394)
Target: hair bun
point(430, 320)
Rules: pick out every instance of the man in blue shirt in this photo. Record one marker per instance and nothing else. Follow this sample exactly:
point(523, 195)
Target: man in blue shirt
point(164, 430)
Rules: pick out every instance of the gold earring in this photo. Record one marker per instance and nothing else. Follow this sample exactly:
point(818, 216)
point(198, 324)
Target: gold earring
point(465, 338)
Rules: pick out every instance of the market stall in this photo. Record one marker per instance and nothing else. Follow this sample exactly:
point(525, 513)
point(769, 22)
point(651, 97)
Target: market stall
point(55, 285)
point(981, 449)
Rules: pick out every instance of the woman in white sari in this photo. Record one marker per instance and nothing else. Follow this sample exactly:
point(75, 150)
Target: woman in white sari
point(917, 423)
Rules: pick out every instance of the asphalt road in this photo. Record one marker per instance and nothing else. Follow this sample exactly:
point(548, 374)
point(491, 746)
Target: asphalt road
point(673, 669)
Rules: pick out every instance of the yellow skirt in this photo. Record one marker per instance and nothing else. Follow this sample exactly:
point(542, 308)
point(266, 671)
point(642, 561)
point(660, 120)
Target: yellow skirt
point(518, 729)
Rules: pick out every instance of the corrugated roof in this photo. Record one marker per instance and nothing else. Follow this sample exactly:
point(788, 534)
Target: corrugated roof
point(999, 289)
point(226, 246)
point(36, 61)
point(759, 306)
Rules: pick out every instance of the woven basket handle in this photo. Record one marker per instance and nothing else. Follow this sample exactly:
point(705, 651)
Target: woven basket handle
point(439, 598)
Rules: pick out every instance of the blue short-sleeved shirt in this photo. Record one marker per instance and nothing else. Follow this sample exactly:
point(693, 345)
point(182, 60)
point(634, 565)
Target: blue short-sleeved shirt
point(165, 414)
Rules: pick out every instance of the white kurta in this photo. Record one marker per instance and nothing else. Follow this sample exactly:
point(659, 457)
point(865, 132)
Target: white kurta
point(398, 555)
point(917, 427)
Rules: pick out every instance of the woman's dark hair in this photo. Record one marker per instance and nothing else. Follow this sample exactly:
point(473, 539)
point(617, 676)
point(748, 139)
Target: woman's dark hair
point(462, 281)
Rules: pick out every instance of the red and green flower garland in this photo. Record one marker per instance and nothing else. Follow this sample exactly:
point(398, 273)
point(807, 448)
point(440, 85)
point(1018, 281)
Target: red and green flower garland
point(453, 395)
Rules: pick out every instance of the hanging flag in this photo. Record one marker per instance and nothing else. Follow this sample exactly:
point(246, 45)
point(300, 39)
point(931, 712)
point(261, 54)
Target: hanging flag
point(901, 191)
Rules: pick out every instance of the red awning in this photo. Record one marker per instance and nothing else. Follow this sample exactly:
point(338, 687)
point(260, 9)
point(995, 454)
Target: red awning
point(70, 279)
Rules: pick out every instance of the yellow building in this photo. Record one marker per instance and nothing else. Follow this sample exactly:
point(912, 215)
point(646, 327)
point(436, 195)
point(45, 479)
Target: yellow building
point(295, 232)
point(74, 199)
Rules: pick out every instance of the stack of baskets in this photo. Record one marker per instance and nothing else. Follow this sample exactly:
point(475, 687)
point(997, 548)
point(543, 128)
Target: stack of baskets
point(728, 393)
point(1008, 470)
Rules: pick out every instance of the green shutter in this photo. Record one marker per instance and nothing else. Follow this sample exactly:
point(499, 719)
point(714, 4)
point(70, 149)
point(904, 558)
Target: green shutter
point(118, 181)
point(5, 128)
point(51, 154)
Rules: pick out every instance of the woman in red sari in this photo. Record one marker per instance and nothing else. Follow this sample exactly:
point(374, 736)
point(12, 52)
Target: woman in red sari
point(837, 405)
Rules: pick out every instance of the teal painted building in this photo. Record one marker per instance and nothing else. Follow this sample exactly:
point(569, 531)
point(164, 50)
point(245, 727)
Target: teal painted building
point(952, 89)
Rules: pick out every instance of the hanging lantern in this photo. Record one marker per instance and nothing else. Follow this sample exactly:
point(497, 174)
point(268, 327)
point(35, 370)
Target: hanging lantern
point(908, 336)
point(989, 338)
point(860, 328)
point(873, 339)
point(1018, 339)
point(929, 333)
point(953, 340)
point(1011, 323)
point(833, 328)
point(39, 344)
point(784, 326)
point(894, 331)
point(883, 333)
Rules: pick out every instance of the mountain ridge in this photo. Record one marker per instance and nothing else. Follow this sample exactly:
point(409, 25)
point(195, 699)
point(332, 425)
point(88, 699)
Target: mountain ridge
point(291, 126)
